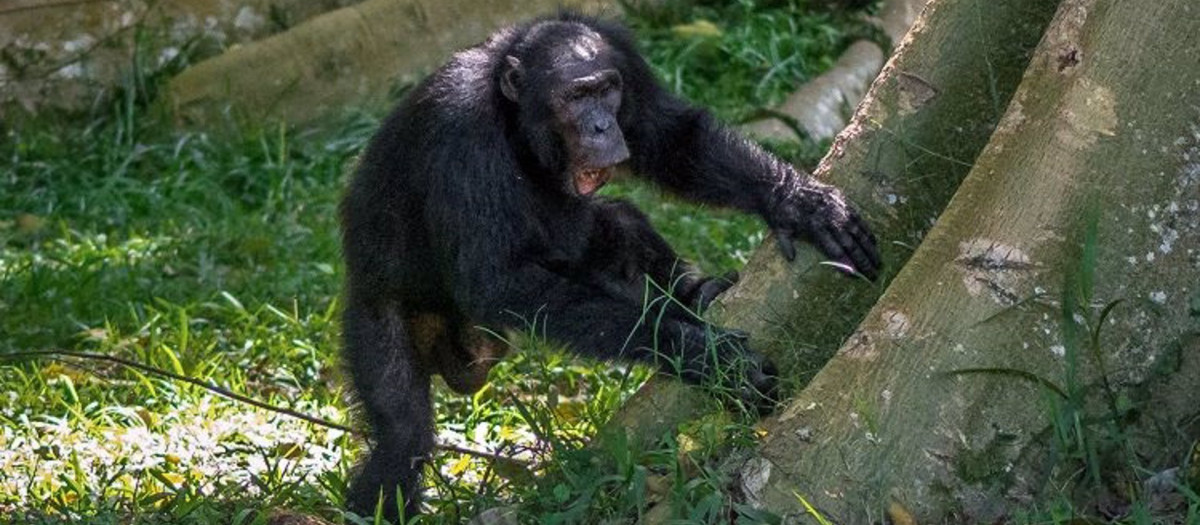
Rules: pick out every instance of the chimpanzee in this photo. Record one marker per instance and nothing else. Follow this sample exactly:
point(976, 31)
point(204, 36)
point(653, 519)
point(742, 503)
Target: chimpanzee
point(473, 209)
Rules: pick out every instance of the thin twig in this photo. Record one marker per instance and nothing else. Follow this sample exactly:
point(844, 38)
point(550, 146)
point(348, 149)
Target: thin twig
point(229, 394)
point(221, 391)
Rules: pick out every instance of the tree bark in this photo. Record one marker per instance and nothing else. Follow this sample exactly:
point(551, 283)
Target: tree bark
point(912, 139)
point(349, 58)
point(940, 405)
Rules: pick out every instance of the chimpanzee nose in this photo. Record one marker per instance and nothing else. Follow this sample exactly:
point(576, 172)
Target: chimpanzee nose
point(602, 125)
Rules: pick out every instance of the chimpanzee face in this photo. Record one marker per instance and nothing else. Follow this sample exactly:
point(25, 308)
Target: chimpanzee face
point(585, 109)
point(574, 89)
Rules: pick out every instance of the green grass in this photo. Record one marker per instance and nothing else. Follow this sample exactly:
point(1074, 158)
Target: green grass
point(749, 54)
point(217, 258)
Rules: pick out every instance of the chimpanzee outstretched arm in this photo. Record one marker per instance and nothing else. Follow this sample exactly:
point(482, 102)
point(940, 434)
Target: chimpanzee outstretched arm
point(687, 151)
point(497, 284)
point(597, 325)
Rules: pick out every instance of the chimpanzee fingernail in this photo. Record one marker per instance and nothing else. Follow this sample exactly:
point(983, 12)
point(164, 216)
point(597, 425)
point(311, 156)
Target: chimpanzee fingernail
point(785, 246)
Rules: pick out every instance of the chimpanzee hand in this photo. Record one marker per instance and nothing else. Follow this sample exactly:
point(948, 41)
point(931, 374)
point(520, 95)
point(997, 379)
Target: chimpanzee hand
point(751, 376)
point(724, 359)
point(819, 214)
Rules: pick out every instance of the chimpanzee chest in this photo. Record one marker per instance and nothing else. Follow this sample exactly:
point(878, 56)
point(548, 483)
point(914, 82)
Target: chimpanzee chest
point(564, 240)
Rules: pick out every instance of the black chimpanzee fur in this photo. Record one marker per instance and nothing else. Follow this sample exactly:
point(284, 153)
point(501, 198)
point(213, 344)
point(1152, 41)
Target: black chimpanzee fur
point(472, 207)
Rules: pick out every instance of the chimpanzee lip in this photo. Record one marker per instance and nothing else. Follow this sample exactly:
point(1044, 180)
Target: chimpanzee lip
point(588, 181)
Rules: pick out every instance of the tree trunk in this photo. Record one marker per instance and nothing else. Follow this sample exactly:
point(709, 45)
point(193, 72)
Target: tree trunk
point(913, 138)
point(349, 58)
point(946, 399)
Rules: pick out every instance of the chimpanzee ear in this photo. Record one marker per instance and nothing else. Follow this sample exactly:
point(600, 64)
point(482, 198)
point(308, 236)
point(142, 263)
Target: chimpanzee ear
point(510, 78)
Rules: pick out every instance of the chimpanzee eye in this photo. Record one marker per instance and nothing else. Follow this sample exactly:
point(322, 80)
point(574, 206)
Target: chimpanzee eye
point(577, 94)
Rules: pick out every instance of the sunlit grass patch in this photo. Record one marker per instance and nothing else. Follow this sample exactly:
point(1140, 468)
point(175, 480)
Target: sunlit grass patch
point(93, 456)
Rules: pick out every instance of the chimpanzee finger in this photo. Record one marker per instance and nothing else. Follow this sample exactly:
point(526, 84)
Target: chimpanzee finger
point(759, 389)
point(712, 287)
point(859, 226)
point(783, 237)
point(872, 253)
point(740, 335)
point(824, 239)
point(866, 239)
point(731, 277)
point(862, 262)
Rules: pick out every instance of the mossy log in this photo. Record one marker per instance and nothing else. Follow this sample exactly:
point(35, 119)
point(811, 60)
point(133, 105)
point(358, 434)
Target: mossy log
point(349, 59)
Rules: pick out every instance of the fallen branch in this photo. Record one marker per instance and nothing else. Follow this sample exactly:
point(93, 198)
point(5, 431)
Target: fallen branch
point(43, 5)
point(820, 108)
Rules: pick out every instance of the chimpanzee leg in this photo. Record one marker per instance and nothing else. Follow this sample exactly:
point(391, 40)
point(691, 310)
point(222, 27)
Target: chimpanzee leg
point(394, 391)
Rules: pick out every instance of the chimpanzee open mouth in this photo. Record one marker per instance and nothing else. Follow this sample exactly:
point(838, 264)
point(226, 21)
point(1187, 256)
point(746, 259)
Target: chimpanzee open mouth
point(589, 180)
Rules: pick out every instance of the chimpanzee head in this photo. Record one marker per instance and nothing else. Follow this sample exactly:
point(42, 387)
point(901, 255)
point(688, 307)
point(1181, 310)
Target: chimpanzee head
point(565, 81)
